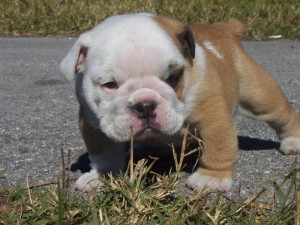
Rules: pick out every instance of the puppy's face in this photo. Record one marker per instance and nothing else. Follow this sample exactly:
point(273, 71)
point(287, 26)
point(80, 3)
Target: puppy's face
point(134, 74)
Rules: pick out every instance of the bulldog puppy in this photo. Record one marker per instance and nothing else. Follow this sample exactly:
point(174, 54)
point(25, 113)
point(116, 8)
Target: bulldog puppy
point(156, 76)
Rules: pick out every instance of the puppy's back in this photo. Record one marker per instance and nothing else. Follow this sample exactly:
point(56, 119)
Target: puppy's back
point(233, 25)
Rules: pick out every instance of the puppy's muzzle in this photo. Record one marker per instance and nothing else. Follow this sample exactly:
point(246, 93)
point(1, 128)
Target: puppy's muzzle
point(145, 110)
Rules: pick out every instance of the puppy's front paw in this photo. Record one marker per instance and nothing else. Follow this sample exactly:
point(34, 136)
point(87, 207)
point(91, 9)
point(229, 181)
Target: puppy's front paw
point(290, 146)
point(88, 181)
point(200, 182)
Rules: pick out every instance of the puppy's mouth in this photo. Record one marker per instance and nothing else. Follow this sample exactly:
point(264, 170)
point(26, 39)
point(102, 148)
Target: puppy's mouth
point(149, 128)
point(150, 124)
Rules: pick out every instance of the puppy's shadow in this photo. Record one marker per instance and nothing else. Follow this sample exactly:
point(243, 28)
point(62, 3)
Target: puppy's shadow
point(256, 144)
point(166, 164)
point(83, 164)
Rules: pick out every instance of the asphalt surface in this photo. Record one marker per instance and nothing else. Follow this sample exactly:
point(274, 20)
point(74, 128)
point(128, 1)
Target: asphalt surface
point(39, 113)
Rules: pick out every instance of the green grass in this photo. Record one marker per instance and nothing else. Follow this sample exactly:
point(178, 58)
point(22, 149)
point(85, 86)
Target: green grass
point(134, 198)
point(127, 200)
point(71, 17)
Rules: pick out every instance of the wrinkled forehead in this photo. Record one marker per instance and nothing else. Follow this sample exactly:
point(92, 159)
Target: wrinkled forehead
point(134, 45)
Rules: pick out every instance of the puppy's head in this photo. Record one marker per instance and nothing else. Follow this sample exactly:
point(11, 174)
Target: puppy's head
point(134, 71)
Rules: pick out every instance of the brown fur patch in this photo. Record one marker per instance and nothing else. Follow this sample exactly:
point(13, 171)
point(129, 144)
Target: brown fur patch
point(94, 139)
point(234, 26)
point(180, 34)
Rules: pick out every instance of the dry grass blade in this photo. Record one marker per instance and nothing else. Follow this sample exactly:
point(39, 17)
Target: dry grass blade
point(297, 222)
point(28, 189)
point(131, 154)
point(250, 200)
point(187, 139)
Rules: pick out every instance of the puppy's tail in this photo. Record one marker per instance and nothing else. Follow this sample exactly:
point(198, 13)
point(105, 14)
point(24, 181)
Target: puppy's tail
point(234, 26)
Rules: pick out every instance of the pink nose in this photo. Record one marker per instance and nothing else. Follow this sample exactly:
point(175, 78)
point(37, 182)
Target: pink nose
point(146, 109)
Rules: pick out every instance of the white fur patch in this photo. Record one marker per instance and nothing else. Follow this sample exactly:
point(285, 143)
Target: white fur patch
point(199, 182)
point(191, 93)
point(88, 181)
point(200, 57)
point(209, 46)
point(290, 146)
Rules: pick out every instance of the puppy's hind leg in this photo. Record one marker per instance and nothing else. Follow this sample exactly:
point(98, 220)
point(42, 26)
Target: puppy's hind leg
point(262, 99)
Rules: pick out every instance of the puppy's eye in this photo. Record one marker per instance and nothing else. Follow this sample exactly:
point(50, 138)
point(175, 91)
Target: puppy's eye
point(174, 77)
point(110, 85)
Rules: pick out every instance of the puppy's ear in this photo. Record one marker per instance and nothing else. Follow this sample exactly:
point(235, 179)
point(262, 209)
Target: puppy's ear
point(181, 34)
point(187, 42)
point(74, 61)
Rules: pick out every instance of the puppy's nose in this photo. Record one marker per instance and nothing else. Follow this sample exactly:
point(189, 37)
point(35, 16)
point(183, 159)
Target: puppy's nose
point(145, 109)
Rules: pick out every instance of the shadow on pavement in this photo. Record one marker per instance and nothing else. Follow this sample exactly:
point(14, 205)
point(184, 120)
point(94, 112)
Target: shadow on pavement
point(166, 164)
point(256, 144)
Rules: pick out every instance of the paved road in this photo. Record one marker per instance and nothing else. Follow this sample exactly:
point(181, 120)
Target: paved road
point(38, 112)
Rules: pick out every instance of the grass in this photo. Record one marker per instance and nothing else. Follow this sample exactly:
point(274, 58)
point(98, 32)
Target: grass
point(263, 18)
point(134, 198)
point(132, 201)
